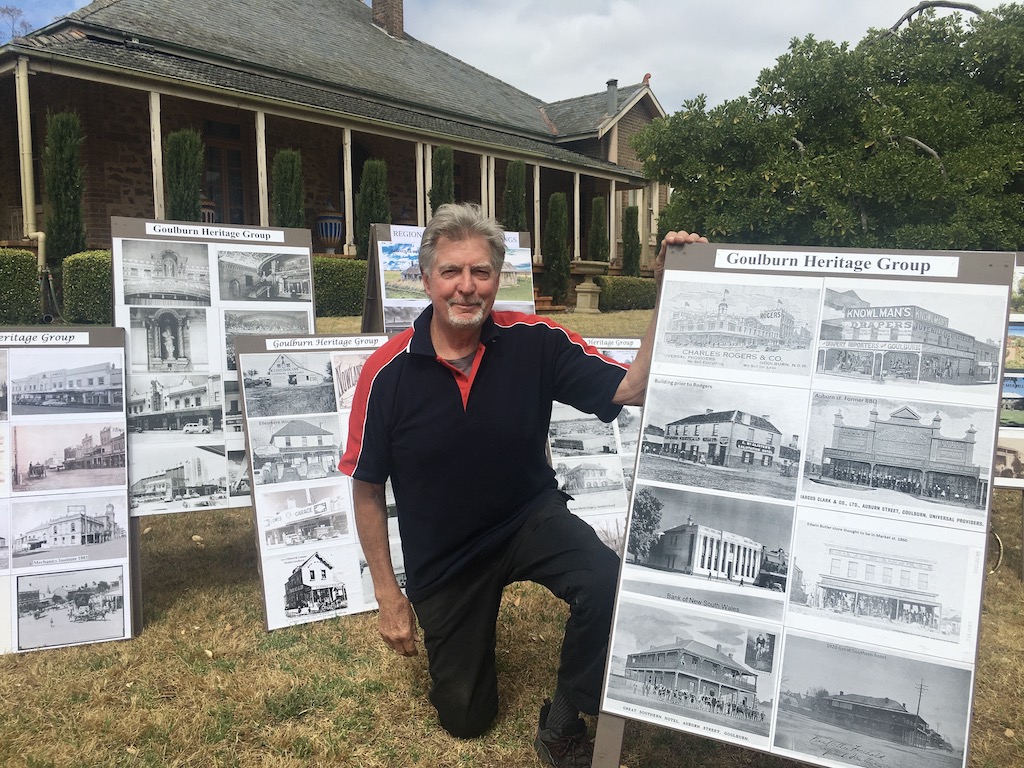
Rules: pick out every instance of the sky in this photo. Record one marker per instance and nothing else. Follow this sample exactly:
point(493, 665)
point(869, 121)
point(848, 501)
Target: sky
point(559, 49)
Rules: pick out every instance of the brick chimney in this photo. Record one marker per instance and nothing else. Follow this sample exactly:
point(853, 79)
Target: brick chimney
point(388, 15)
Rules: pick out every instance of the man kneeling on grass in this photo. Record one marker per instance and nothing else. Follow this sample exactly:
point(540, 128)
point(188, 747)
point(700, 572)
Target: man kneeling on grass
point(455, 411)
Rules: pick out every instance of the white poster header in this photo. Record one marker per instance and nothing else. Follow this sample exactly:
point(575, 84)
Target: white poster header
point(215, 232)
point(844, 263)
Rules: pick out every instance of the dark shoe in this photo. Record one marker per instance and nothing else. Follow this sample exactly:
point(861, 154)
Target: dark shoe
point(571, 748)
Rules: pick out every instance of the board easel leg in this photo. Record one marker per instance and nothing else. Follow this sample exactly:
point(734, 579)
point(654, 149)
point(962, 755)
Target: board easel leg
point(1022, 536)
point(608, 741)
point(135, 577)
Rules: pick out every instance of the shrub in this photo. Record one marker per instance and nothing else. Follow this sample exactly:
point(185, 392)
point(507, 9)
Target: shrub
point(62, 175)
point(631, 242)
point(555, 281)
point(288, 191)
point(597, 240)
point(442, 177)
point(183, 174)
point(340, 286)
point(19, 286)
point(626, 293)
point(88, 291)
point(514, 200)
point(372, 203)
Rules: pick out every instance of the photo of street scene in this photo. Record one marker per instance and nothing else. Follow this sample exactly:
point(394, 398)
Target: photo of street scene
point(723, 436)
point(875, 335)
point(53, 530)
point(720, 552)
point(264, 275)
point(311, 585)
point(883, 454)
point(883, 582)
point(175, 408)
point(157, 273)
point(188, 477)
point(71, 608)
point(685, 669)
point(279, 383)
point(294, 449)
point(262, 323)
point(169, 339)
point(54, 457)
point(75, 381)
point(310, 514)
point(847, 704)
point(738, 322)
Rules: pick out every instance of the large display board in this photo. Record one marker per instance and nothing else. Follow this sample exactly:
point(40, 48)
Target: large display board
point(297, 396)
point(805, 548)
point(183, 292)
point(64, 551)
point(1009, 468)
point(394, 284)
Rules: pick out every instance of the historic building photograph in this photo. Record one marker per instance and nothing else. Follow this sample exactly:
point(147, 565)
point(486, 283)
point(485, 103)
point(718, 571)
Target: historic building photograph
point(168, 339)
point(256, 275)
point(292, 450)
point(169, 408)
point(188, 476)
point(594, 482)
point(46, 530)
point(910, 337)
point(49, 457)
point(85, 381)
point(309, 514)
point(871, 705)
point(71, 607)
point(724, 436)
point(574, 433)
point(5, 536)
point(163, 274)
point(263, 323)
point(310, 582)
point(893, 451)
point(282, 383)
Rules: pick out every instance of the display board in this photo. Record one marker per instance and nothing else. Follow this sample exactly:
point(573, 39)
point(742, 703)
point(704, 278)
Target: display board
point(64, 545)
point(1009, 468)
point(593, 460)
point(297, 397)
point(806, 537)
point(394, 285)
point(183, 292)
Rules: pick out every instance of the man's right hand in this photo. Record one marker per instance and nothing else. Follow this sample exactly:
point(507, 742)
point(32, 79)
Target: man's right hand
point(396, 622)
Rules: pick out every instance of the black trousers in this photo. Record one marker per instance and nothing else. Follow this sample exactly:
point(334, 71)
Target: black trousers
point(553, 548)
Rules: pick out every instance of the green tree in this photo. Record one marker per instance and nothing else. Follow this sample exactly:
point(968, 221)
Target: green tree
point(373, 206)
point(514, 199)
point(63, 178)
point(556, 249)
point(644, 521)
point(631, 241)
point(597, 238)
point(442, 175)
point(911, 139)
point(183, 174)
point(289, 191)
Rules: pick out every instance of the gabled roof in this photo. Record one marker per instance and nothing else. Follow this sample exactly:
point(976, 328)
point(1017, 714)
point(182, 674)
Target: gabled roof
point(300, 428)
point(588, 115)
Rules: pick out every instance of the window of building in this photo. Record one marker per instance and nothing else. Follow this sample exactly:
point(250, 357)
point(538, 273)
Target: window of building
point(922, 581)
point(312, 574)
point(869, 572)
point(323, 574)
point(904, 578)
point(225, 178)
point(887, 575)
point(851, 570)
point(834, 570)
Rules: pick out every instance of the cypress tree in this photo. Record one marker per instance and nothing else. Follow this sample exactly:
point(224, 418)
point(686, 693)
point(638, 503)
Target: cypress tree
point(514, 199)
point(597, 241)
point(442, 171)
point(183, 175)
point(289, 191)
point(373, 204)
point(63, 178)
point(556, 249)
point(631, 241)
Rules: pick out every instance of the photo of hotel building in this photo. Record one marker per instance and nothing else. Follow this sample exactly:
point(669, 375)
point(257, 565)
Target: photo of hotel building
point(730, 438)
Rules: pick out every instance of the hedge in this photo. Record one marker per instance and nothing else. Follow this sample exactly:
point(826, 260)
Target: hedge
point(87, 288)
point(19, 287)
point(340, 285)
point(626, 293)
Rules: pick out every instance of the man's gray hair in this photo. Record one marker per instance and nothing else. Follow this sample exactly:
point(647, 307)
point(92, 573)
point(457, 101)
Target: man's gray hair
point(461, 221)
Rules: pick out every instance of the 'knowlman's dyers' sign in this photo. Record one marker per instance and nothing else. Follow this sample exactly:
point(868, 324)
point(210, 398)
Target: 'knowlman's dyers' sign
point(889, 264)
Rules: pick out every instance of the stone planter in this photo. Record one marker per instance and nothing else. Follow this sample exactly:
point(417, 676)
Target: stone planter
point(588, 293)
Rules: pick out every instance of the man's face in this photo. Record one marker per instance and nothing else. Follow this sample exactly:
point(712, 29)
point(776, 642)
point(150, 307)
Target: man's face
point(462, 283)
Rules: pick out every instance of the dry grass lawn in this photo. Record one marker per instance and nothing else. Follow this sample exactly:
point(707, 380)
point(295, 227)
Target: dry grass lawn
point(205, 685)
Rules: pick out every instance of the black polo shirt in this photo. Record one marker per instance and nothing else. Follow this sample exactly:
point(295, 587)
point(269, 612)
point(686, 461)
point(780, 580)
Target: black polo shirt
point(467, 453)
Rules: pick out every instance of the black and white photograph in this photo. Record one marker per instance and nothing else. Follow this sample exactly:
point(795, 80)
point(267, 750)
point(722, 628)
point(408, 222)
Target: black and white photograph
point(723, 436)
point(175, 408)
point(281, 383)
point(910, 336)
point(610, 528)
point(738, 323)
point(75, 381)
point(188, 477)
point(882, 455)
point(3, 385)
point(311, 584)
point(262, 323)
point(7, 625)
point(595, 484)
point(310, 514)
point(71, 607)
point(233, 436)
point(75, 455)
point(688, 670)
point(59, 530)
point(902, 585)
point(847, 704)
point(238, 475)
point(5, 539)
point(575, 433)
point(5, 476)
point(718, 552)
point(264, 275)
point(346, 367)
point(294, 449)
point(1008, 471)
point(161, 273)
point(400, 315)
point(169, 339)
